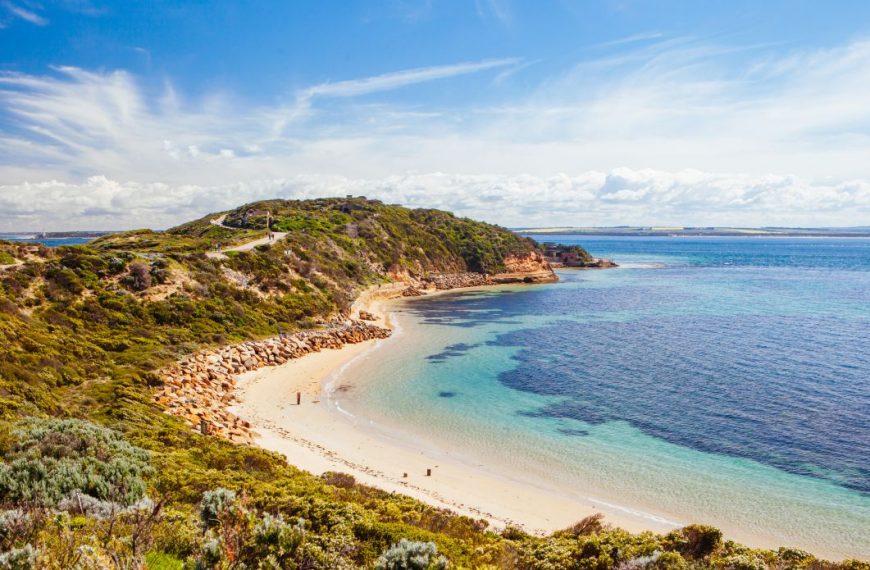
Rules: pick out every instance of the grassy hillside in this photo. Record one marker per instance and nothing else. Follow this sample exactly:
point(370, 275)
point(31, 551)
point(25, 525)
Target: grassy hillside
point(84, 328)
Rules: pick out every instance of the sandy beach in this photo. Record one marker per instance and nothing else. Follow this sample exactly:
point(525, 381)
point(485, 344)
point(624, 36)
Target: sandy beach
point(318, 437)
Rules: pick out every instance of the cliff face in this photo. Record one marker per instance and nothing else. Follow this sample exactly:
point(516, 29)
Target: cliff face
point(529, 268)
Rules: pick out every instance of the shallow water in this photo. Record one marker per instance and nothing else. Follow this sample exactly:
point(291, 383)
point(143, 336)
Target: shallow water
point(719, 380)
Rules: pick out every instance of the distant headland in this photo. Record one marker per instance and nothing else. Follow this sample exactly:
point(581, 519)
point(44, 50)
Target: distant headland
point(689, 231)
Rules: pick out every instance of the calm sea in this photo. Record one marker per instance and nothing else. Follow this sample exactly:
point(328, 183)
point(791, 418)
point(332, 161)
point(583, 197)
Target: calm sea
point(719, 380)
point(50, 242)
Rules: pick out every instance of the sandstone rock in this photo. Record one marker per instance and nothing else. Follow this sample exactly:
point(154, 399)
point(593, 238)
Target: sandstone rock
point(412, 292)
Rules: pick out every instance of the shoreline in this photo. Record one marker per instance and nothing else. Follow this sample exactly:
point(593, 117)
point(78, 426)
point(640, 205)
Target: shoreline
point(318, 436)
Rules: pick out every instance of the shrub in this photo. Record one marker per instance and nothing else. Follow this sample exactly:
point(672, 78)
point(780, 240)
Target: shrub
point(116, 265)
point(411, 555)
point(212, 554)
point(278, 540)
point(159, 274)
point(793, 557)
point(743, 562)
point(695, 541)
point(512, 532)
point(23, 558)
point(53, 460)
point(592, 524)
point(216, 505)
point(668, 561)
point(139, 278)
point(341, 480)
point(15, 526)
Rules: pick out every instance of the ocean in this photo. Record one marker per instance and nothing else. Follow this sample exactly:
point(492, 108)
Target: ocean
point(50, 242)
point(715, 380)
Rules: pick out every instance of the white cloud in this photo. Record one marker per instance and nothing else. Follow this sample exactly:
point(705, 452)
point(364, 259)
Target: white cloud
point(25, 14)
point(673, 131)
point(396, 80)
point(644, 197)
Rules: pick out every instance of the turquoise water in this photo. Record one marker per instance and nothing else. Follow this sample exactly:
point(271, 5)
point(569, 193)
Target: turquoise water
point(717, 380)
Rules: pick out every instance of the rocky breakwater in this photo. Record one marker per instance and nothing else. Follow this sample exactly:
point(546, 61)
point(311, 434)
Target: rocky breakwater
point(201, 387)
point(458, 280)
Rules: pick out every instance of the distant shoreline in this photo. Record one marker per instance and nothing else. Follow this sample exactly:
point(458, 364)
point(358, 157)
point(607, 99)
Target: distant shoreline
point(695, 232)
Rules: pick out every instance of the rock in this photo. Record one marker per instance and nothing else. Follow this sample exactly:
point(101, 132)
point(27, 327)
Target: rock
point(367, 316)
point(202, 385)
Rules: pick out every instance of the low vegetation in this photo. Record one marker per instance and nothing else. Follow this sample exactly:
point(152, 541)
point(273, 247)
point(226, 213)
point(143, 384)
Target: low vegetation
point(95, 475)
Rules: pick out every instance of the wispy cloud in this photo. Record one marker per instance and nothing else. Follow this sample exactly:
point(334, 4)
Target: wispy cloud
point(674, 131)
point(399, 79)
point(25, 14)
point(636, 38)
point(496, 9)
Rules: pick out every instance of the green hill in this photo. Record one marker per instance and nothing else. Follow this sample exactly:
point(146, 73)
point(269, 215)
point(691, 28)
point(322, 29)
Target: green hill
point(84, 329)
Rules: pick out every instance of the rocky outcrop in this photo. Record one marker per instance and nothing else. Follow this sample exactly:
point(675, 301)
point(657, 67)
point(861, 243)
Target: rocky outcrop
point(529, 268)
point(594, 263)
point(600, 263)
point(412, 292)
point(200, 388)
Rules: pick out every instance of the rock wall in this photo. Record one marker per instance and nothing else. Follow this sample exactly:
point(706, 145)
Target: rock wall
point(200, 388)
point(457, 280)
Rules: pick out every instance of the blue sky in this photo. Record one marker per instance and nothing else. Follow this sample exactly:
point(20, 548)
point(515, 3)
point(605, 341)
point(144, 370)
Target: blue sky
point(129, 114)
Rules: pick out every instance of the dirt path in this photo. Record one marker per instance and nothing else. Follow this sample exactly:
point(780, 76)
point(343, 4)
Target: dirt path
point(247, 246)
point(11, 265)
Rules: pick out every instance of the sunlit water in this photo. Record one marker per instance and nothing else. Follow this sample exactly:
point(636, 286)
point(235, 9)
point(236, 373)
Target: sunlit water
point(718, 380)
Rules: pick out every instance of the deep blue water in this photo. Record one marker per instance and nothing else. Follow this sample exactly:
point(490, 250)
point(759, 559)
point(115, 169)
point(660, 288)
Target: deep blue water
point(746, 347)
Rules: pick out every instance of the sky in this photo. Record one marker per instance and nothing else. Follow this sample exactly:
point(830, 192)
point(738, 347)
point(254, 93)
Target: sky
point(118, 115)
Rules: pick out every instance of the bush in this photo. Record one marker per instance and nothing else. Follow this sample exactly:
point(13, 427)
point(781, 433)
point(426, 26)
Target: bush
point(278, 541)
point(23, 558)
point(216, 505)
point(743, 562)
point(668, 561)
point(512, 532)
point(411, 555)
point(793, 557)
point(139, 278)
point(15, 526)
point(341, 480)
point(695, 541)
point(53, 460)
point(593, 524)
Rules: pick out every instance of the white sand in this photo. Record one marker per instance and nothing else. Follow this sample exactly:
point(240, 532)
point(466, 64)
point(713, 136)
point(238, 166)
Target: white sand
point(318, 438)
